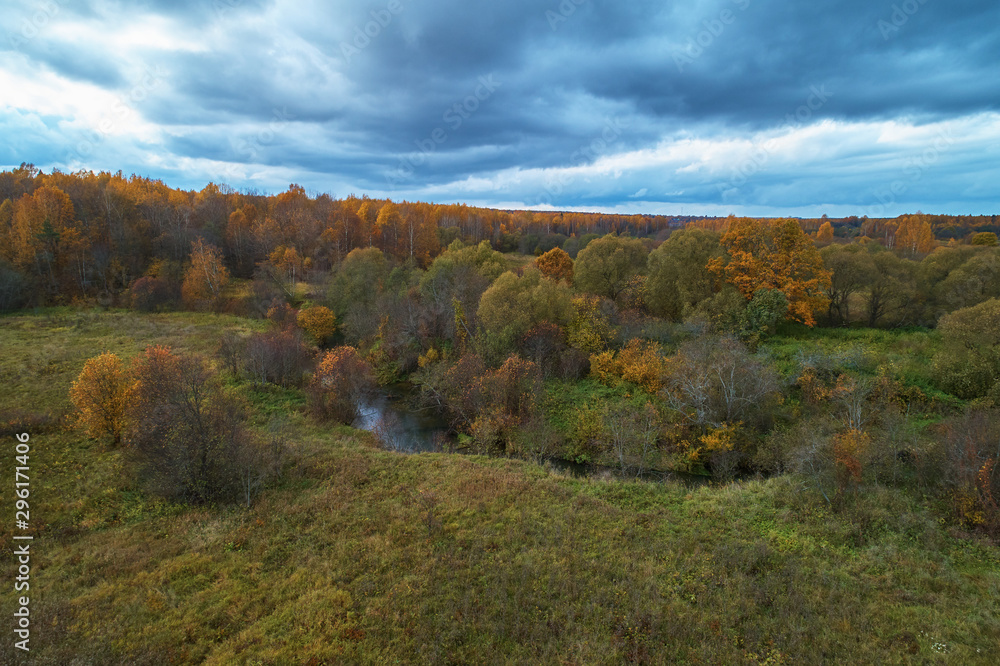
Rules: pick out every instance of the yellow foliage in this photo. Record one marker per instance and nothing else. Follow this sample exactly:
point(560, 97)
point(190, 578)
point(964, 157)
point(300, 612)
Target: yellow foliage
point(722, 438)
point(318, 321)
point(589, 331)
point(639, 362)
point(101, 395)
point(432, 356)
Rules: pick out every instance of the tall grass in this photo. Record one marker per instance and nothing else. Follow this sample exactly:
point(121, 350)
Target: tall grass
point(369, 557)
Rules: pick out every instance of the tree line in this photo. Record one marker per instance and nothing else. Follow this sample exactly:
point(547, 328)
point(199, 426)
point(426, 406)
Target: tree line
point(80, 236)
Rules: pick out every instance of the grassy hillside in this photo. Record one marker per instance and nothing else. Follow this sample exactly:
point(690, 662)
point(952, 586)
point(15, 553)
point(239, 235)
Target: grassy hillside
point(363, 556)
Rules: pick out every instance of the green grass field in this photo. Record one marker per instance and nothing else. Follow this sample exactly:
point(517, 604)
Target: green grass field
point(361, 556)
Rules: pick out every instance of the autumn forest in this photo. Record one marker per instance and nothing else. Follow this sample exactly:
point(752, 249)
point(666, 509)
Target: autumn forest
point(208, 355)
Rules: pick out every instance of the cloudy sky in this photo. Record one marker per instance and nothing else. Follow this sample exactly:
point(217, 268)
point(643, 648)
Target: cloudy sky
point(756, 107)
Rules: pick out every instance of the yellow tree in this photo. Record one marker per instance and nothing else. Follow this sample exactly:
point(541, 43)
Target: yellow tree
point(774, 254)
point(387, 224)
point(207, 274)
point(368, 213)
point(825, 233)
point(288, 263)
point(318, 321)
point(101, 396)
point(914, 236)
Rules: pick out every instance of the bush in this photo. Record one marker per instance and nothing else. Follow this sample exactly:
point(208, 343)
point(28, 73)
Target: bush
point(639, 362)
point(187, 436)
point(13, 288)
point(342, 379)
point(488, 404)
point(276, 357)
point(968, 365)
point(714, 381)
point(150, 294)
point(317, 321)
point(971, 459)
point(544, 345)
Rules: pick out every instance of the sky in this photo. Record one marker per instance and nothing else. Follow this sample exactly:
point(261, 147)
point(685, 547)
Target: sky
point(695, 107)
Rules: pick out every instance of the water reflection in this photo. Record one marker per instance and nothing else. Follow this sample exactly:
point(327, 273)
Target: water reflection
point(398, 428)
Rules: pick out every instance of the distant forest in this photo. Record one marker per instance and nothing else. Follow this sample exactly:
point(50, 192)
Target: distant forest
point(76, 237)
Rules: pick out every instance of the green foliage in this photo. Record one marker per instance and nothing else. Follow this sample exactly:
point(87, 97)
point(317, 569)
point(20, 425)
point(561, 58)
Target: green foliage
point(607, 264)
point(363, 556)
point(359, 279)
point(987, 238)
point(678, 278)
point(514, 304)
point(975, 281)
point(968, 364)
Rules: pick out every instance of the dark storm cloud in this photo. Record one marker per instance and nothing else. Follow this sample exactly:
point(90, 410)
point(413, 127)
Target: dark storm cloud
point(389, 94)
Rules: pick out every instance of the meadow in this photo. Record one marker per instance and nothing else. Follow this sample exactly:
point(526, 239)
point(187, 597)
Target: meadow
point(358, 555)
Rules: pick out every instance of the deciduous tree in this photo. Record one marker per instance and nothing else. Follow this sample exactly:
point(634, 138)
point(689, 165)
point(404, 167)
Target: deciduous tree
point(318, 321)
point(556, 264)
point(774, 254)
point(607, 264)
point(342, 379)
point(102, 394)
point(679, 279)
point(206, 276)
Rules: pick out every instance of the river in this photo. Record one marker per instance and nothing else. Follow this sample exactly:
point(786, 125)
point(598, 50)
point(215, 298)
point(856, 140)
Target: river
point(402, 427)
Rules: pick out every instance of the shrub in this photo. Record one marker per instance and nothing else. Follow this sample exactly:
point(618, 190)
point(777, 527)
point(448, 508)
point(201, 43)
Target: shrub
point(639, 362)
point(282, 314)
point(13, 288)
point(342, 379)
point(712, 381)
point(187, 436)
point(968, 364)
point(149, 294)
point(971, 459)
point(488, 404)
point(276, 357)
point(544, 345)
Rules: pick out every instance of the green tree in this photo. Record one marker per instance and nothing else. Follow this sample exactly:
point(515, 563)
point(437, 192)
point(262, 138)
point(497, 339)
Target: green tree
point(606, 265)
point(892, 288)
point(678, 276)
point(514, 304)
point(852, 269)
point(975, 281)
point(968, 364)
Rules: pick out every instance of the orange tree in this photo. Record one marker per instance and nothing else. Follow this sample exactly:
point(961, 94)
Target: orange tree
point(774, 254)
point(101, 395)
point(556, 264)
